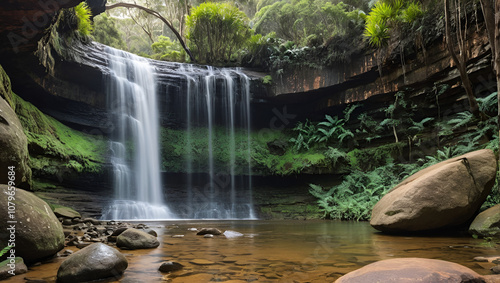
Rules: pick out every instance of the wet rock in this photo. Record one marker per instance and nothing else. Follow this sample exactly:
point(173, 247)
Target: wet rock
point(118, 231)
point(201, 262)
point(213, 231)
point(11, 267)
point(97, 261)
point(67, 222)
point(82, 245)
point(65, 253)
point(495, 269)
point(487, 223)
point(410, 270)
point(170, 266)
point(38, 232)
point(192, 229)
point(151, 232)
point(66, 212)
point(91, 221)
point(178, 236)
point(136, 239)
point(208, 236)
point(416, 204)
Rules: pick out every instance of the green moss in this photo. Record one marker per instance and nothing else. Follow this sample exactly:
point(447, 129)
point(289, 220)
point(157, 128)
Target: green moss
point(55, 147)
point(5, 87)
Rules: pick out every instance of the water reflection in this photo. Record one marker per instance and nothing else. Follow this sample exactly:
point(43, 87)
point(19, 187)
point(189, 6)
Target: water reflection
point(280, 251)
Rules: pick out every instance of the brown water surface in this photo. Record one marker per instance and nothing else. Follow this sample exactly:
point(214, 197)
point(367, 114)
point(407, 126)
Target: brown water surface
point(278, 251)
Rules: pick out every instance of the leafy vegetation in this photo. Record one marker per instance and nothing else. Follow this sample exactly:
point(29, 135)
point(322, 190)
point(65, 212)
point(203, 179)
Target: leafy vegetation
point(106, 31)
point(216, 32)
point(85, 24)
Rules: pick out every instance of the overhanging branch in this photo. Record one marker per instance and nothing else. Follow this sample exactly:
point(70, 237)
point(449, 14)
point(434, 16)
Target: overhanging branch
point(156, 14)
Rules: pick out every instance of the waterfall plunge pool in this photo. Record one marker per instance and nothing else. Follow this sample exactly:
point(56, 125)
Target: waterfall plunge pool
point(277, 251)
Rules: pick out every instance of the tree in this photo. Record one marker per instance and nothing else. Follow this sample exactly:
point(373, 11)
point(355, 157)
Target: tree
point(217, 30)
point(157, 15)
point(106, 31)
point(457, 9)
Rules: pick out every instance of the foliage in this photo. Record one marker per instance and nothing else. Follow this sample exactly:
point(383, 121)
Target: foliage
point(305, 21)
point(85, 24)
point(5, 250)
point(166, 49)
point(217, 31)
point(386, 16)
point(107, 32)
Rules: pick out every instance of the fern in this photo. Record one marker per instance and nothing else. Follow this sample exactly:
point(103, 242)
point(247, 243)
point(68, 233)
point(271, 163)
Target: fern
point(462, 119)
point(488, 104)
point(83, 13)
point(5, 250)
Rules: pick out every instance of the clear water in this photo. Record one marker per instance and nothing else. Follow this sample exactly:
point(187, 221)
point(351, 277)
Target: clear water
point(135, 143)
point(279, 251)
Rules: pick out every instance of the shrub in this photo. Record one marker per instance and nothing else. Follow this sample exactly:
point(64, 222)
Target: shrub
point(83, 13)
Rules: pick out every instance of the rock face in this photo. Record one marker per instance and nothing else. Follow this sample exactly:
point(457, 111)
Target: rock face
point(13, 141)
point(136, 239)
point(487, 223)
point(417, 203)
point(94, 262)
point(406, 270)
point(38, 232)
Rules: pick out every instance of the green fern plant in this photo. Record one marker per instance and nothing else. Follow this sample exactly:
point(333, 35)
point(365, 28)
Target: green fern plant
point(488, 104)
point(84, 14)
point(5, 250)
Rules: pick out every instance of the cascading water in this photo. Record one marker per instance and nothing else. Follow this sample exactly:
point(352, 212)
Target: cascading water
point(135, 142)
point(217, 101)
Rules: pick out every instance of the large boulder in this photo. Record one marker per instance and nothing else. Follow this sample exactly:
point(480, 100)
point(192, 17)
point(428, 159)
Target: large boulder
point(38, 233)
point(487, 223)
point(132, 239)
point(13, 142)
point(94, 262)
point(443, 195)
point(408, 270)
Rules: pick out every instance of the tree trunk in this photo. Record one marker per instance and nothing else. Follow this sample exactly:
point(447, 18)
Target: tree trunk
point(496, 55)
point(460, 61)
point(156, 14)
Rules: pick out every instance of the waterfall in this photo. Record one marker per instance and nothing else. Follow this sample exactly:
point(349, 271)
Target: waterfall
point(217, 102)
point(134, 144)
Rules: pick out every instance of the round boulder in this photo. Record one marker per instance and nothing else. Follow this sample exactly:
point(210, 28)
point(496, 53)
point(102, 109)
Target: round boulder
point(132, 239)
point(409, 270)
point(38, 233)
point(443, 195)
point(487, 223)
point(94, 262)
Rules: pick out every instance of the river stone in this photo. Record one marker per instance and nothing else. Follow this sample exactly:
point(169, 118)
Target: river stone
point(97, 261)
point(38, 232)
point(136, 239)
point(6, 266)
point(13, 148)
point(213, 231)
point(66, 212)
point(170, 266)
point(417, 203)
point(487, 223)
point(409, 270)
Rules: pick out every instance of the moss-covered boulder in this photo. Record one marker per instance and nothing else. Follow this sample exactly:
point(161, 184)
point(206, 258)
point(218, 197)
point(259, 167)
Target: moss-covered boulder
point(487, 223)
point(94, 262)
point(13, 148)
point(66, 212)
point(11, 267)
point(38, 233)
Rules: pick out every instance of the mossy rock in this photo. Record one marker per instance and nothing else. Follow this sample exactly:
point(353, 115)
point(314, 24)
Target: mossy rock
point(6, 267)
point(38, 232)
point(487, 223)
point(14, 158)
point(66, 212)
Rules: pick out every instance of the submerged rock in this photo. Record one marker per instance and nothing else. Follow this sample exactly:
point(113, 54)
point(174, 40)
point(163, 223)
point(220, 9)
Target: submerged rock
point(170, 266)
point(232, 234)
point(38, 233)
point(443, 195)
point(12, 267)
point(487, 223)
point(213, 231)
point(97, 261)
point(408, 270)
point(136, 239)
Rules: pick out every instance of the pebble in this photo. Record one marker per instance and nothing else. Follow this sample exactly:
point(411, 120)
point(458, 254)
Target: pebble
point(208, 236)
point(192, 229)
point(178, 236)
